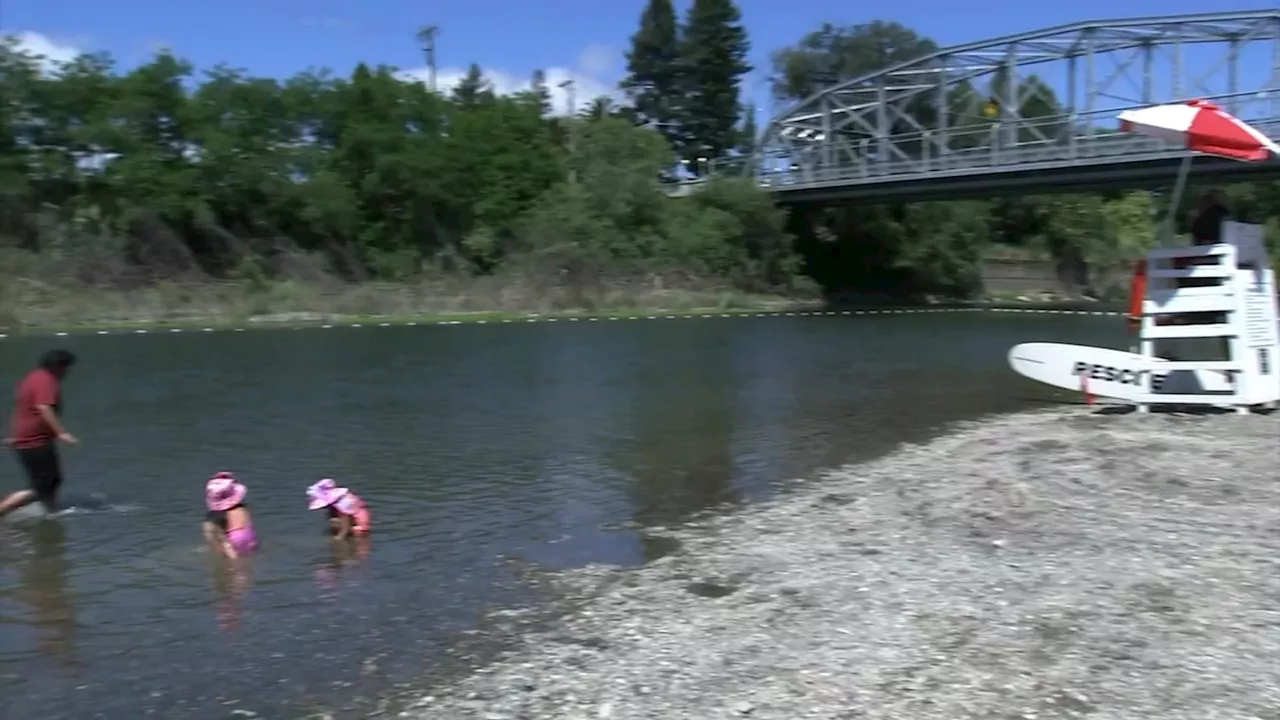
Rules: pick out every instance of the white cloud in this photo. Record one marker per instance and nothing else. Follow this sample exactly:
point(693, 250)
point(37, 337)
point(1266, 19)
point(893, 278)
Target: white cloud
point(591, 79)
point(54, 53)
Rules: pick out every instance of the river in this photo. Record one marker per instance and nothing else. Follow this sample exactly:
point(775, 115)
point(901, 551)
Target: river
point(475, 445)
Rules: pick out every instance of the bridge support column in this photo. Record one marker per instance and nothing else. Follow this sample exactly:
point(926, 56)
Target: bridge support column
point(1073, 117)
point(1090, 89)
point(944, 110)
point(1233, 75)
point(1010, 105)
point(1148, 78)
point(883, 130)
point(1148, 66)
point(828, 142)
point(1177, 69)
point(1273, 82)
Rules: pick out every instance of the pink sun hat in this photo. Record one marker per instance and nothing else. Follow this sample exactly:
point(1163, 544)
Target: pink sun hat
point(223, 492)
point(324, 493)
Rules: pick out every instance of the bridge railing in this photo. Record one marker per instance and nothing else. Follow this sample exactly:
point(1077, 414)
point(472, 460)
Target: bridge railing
point(1041, 143)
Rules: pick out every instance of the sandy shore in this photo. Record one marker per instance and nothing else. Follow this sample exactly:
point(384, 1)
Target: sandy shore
point(1057, 564)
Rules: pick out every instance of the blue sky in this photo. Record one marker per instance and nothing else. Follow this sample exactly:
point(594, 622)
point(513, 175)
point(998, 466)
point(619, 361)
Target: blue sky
point(582, 39)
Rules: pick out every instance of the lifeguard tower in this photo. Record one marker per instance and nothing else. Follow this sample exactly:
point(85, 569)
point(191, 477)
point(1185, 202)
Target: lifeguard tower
point(1206, 316)
point(1212, 309)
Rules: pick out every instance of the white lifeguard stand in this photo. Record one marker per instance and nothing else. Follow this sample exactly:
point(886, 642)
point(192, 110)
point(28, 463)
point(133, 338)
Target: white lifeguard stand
point(1213, 300)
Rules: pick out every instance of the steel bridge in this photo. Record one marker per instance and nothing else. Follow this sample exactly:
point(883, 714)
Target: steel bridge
point(1022, 114)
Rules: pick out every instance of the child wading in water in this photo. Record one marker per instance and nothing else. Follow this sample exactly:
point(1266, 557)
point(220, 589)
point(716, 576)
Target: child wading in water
point(348, 515)
point(228, 528)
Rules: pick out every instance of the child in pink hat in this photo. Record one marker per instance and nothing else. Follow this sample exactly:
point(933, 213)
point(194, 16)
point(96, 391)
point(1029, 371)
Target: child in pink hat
point(348, 515)
point(228, 528)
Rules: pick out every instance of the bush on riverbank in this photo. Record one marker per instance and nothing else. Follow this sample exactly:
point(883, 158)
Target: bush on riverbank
point(128, 193)
point(29, 302)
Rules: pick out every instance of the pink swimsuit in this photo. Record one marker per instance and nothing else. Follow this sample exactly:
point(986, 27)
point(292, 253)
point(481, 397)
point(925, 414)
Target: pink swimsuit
point(242, 539)
point(351, 504)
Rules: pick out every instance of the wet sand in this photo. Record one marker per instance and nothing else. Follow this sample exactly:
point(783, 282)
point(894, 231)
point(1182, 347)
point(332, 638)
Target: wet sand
point(1056, 564)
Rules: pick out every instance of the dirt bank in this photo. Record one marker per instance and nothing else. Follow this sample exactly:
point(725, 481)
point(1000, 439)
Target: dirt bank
point(1057, 564)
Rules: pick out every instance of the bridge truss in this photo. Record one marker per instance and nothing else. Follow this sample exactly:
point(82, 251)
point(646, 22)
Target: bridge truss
point(1049, 96)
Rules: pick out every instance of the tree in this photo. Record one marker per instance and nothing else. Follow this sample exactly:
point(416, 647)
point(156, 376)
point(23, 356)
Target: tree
point(653, 82)
point(1030, 99)
point(541, 92)
point(158, 175)
point(750, 133)
point(890, 249)
point(713, 55)
point(832, 54)
point(599, 109)
point(473, 88)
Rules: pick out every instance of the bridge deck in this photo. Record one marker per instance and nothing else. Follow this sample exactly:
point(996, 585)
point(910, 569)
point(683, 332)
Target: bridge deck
point(1087, 163)
point(971, 120)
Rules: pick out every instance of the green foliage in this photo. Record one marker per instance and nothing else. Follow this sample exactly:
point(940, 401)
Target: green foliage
point(686, 81)
point(713, 53)
point(833, 54)
point(156, 174)
point(653, 81)
point(541, 94)
point(615, 219)
point(473, 88)
point(763, 253)
point(750, 133)
point(604, 107)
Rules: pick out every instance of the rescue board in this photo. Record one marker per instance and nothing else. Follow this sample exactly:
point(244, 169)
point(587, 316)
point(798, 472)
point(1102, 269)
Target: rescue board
point(1108, 373)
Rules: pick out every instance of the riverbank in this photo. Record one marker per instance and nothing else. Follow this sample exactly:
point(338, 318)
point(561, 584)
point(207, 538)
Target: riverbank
point(299, 322)
point(1053, 564)
point(225, 307)
point(37, 308)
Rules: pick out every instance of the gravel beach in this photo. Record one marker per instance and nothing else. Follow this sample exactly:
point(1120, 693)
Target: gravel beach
point(1054, 564)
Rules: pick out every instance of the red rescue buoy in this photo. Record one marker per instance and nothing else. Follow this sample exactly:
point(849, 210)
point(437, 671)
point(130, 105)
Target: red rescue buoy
point(1137, 294)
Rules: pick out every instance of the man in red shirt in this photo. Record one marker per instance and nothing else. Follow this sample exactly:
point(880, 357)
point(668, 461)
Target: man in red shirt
point(36, 430)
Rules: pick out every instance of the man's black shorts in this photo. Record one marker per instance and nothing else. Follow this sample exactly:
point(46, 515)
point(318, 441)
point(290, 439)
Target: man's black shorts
point(44, 471)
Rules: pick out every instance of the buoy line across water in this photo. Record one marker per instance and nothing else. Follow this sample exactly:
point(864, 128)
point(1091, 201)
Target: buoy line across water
point(1053, 563)
point(547, 319)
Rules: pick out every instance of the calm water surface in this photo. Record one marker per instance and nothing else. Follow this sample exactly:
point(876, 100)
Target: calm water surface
point(472, 443)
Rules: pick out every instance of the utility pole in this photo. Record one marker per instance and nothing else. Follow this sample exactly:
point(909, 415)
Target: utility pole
point(572, 105)
point(427, 37)
point(570, 124)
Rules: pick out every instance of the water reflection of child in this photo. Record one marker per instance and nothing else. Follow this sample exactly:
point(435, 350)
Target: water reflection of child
point(348, 514)
point(345, 555)
point(230, 581)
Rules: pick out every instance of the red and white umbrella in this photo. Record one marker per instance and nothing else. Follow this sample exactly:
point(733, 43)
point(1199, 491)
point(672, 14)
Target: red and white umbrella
point(1201, 127)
